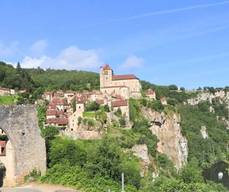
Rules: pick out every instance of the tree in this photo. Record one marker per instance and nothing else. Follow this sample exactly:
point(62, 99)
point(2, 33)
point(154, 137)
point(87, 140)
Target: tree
point(101, 116)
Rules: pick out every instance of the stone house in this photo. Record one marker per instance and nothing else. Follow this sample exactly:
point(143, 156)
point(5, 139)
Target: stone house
point(6, 91)
point(48, 96)
point(123, 105)
point(151, 94)
point(125, 85)
point(56, 114)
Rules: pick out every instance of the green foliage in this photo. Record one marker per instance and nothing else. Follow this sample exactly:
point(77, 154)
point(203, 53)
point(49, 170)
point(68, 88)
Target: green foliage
point(101, 116)
point(165, 184)
point(8, 100)
point(89, 114)
point(73, 104)
point(142, 127)
point(15, 78)
point(91, 106)
point(122, 121)
point(170, 92)
point(41, 114)
point(3, 138)
point(34, 175)
point(49, 132)
point(155, 105)
point(135, 110)
point(206, 151)
point(66, 151)
point(51, 79)
point(104, 159)
point(191, 173)
point(76, 177)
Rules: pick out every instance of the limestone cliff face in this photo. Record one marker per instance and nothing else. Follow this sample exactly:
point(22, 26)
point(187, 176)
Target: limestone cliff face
point(141, 151)
point(221, 95)
point(168, 131)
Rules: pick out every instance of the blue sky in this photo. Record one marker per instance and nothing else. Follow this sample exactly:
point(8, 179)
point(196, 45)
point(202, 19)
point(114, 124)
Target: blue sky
point(162, 41)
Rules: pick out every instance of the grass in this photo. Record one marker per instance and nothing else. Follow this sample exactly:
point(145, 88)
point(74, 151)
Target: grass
point(89, 114)
point(7, 100)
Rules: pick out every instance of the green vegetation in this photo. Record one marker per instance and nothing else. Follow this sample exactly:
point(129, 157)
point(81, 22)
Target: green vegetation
point(91, 165)
point(36, 81)
point(15, 78)
point(89, 114)
point(206, 151)
point(51, 79)
point(96, 166)
point(8, 100)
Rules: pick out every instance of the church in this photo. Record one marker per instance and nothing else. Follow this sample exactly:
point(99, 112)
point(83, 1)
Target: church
point(124, 85)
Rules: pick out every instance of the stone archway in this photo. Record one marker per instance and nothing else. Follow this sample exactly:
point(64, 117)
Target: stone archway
point(25, 147)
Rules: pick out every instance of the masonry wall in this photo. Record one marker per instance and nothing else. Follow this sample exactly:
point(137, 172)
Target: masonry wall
point(20, 124)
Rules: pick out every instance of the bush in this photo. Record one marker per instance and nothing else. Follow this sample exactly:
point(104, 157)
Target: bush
point(92, 106)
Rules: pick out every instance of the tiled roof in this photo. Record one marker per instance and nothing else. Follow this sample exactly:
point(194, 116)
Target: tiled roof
point(3, 143)
point(58, 121)
point(59, 101)
point(119, 103)
point(123, 77)
point(54, 112)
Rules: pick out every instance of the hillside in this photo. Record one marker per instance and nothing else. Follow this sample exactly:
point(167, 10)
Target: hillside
point(18, 78)
point(166, 147)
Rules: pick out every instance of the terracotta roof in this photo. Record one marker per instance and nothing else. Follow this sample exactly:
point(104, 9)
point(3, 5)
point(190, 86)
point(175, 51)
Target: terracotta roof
point(81, 99)
point(58, 121)
point(3, 143)
point(54, 112)
point(119, 103)
point(58, 101)
point(106, 67)
point(123, 77)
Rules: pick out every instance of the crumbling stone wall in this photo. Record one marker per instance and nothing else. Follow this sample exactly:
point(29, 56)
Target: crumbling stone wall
point(20, 124)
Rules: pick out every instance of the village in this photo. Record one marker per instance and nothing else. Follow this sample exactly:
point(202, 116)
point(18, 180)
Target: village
point(73, 110)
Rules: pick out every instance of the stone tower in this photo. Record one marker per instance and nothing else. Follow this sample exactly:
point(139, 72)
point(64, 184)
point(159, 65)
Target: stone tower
point(106, 74)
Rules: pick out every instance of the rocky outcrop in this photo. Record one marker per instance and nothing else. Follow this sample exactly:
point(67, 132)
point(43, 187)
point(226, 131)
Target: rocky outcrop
point(203, 132)
point(168, 131)
point(82, 134)
point(141, 151)
point(208, 96)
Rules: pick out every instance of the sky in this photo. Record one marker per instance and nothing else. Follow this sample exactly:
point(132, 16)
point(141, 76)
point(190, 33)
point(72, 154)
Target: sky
point(162, 41)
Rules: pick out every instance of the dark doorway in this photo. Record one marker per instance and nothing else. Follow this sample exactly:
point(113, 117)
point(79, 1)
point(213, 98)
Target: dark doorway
point(2, 174)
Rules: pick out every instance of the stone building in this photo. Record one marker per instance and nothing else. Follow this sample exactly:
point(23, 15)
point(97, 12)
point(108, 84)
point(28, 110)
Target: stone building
point(6, 91)
point(125, 85)
point(151, 94)
point(122, 105)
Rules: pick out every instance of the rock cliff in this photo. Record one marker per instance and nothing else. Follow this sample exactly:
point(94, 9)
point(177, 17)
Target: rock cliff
point(168, 131)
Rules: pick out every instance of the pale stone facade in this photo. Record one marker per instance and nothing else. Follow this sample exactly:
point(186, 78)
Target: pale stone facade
point(6, 91)
point(124, 85)
point(25, 150)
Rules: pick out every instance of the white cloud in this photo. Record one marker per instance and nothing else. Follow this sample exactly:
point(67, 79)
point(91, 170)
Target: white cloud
point(38, 47)
point(69, 58)
point(133, 62)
